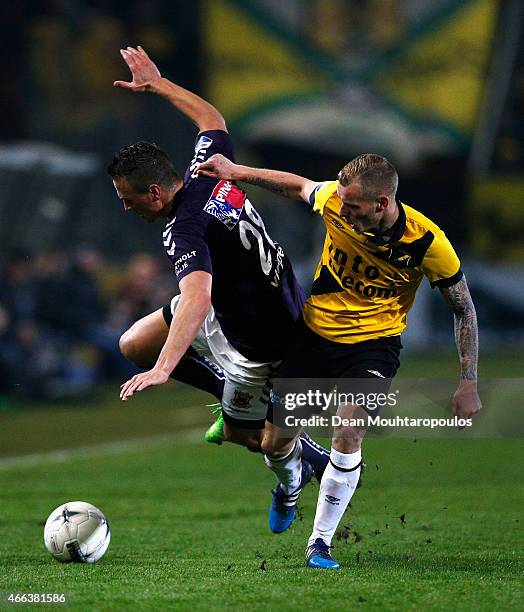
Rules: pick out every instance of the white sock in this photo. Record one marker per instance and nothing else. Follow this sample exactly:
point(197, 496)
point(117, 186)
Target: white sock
point(336, 489)
point(288, 471)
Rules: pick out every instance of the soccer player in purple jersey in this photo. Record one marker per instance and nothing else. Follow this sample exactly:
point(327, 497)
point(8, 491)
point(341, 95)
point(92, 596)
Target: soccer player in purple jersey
point(239, 298)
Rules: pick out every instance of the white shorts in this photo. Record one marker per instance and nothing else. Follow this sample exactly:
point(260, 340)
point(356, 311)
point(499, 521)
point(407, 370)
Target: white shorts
point(245, 396)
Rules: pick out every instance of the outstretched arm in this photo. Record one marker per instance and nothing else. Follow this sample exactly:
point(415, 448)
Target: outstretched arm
point(195, 302)
point(284, 183)
point(147, 77)
point(466, 401)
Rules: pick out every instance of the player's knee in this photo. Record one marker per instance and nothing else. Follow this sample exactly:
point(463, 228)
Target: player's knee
point(130, 346)
point(126, 344)
point(273, 447)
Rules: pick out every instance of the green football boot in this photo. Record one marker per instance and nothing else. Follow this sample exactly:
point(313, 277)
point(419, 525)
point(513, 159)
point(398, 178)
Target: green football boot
point(215, 434)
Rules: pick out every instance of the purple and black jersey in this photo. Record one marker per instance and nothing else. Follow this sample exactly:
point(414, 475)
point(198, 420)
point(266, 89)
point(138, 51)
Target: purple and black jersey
point(215, 228)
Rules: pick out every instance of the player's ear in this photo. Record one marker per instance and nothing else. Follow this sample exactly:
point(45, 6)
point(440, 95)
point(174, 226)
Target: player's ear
point(154, 190)
point(382, 203)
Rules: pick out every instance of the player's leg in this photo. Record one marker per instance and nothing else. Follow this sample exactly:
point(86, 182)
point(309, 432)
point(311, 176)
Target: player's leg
point(337, 486)
point(315, 454)
point(244, 398)
point(368, 370)
point(283, 446)
point(245, 434)
point(282, 450)
point(245, 437)
point(279, 441)
point(244, 405)
point(288, 451)
point(143, 341)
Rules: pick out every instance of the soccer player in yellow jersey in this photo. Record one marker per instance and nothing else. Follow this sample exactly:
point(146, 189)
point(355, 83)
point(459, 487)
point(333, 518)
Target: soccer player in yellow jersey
point(376, 252)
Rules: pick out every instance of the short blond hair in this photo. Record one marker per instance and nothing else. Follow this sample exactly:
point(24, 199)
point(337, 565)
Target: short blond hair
point(375, 174)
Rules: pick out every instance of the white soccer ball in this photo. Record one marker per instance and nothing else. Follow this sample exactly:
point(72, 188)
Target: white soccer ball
point(77, 532)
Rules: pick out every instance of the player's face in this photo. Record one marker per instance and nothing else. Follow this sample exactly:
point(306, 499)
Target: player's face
point(147, 205)
point(361, 212)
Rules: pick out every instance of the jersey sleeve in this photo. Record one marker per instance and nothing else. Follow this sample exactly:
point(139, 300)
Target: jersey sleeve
point(207, 144)
point(441, 264)
point(321, 194)
point(190, 251)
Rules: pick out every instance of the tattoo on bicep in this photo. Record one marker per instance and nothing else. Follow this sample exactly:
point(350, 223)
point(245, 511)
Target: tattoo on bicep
point(458, 296)
point(466, 331)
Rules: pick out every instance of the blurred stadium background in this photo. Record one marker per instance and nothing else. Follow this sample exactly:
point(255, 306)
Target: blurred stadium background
point(436, 85)
point(305, 85)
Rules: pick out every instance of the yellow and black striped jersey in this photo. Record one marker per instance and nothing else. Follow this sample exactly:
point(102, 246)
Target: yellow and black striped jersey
point(364, 285)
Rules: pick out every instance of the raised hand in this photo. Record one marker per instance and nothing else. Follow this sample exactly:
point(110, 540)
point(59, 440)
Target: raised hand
point(143, 70)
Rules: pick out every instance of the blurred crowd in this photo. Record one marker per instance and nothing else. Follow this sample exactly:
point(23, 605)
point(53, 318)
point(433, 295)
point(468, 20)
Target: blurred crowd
point(62, 314)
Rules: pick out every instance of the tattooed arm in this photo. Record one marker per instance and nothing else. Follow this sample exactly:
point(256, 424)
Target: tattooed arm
point(466, 401)
point(284, 183)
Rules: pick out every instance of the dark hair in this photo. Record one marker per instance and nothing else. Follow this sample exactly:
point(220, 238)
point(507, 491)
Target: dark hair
point(141, 164)
point(375, 173)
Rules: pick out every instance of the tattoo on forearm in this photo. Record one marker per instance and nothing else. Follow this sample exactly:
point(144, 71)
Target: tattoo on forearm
point(275, 186)
point(466, 330)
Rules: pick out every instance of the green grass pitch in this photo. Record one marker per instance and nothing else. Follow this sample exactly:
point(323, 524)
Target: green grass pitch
point(437, 524)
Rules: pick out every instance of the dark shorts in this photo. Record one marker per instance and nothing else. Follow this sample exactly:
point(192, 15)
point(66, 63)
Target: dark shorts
point(315, 362)
point(167, 314)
